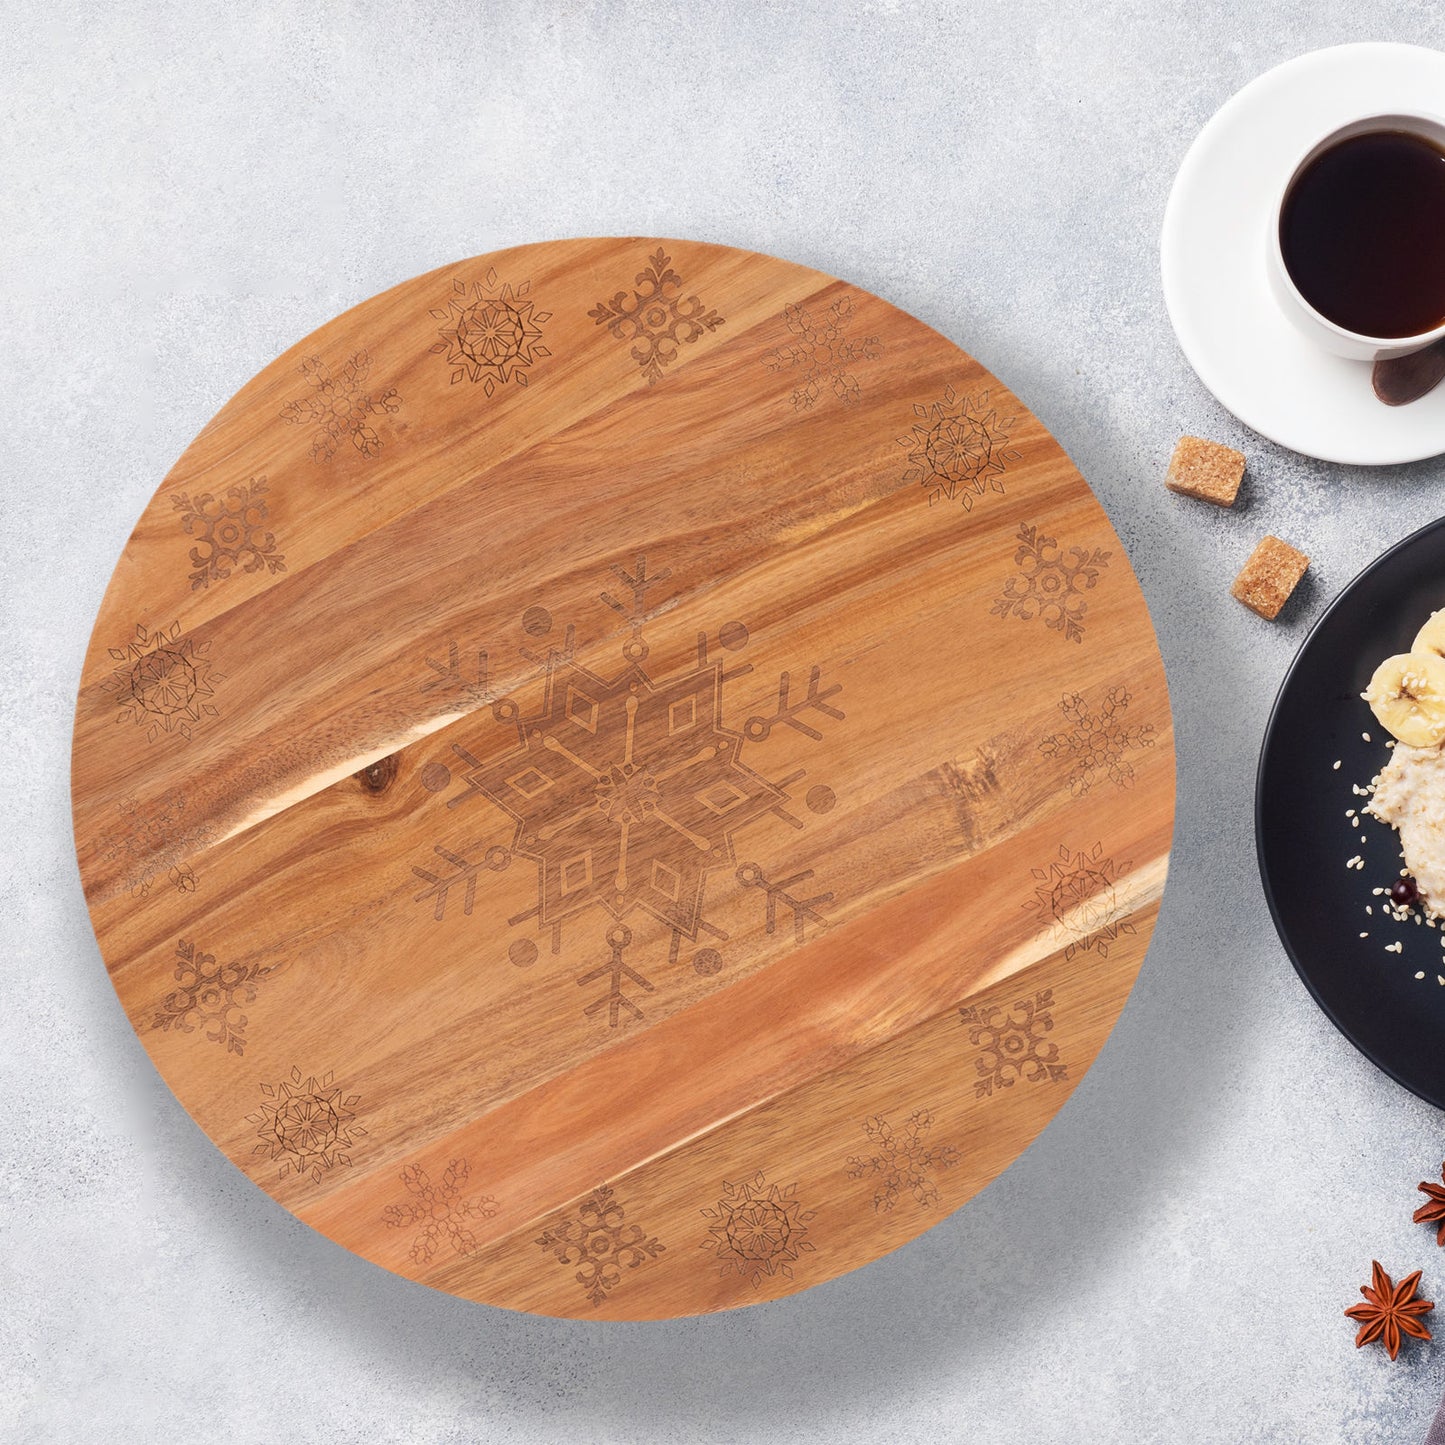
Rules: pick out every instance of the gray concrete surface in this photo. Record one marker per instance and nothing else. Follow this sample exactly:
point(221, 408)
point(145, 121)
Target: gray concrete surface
point(189, 188)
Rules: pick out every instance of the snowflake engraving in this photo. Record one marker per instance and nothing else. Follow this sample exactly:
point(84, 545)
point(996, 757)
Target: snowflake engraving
point(1050, 583)
point(804, 910)
point(149, 846)
point(626, 794)
point(308, 1124)
point(1079, 893)
point(791, 714)
point(903, 1160)
point(209, 996)
point(229, 532)
point(823, 353)
point(462, 875)
point(618, 974)
point(1013, 1043)
point(438, 1212)
point(600, 1244)
point(449, 676)
point(1097, 741)
point(491, 334)
point(958, 449)
point(758, 1229)
point(338, 408)
point(164, 682)
point(657, 318)
point(626, 791)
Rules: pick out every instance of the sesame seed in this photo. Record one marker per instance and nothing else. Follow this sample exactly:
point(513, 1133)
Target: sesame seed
point(1366, 736)
point(1337, 764)
point(1421, 974)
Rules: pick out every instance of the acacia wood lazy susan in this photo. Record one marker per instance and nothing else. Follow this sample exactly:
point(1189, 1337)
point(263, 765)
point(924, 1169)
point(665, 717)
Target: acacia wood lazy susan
point(623, 778)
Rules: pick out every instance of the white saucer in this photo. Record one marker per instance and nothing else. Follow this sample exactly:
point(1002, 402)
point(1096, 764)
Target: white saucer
point(1213, 253)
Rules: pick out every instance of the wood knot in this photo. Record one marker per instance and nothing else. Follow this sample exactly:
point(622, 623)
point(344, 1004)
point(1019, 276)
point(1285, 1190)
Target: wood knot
point(377, 777)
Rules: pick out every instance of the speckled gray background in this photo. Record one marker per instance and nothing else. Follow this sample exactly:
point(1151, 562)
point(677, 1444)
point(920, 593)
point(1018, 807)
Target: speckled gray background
point(187, 189)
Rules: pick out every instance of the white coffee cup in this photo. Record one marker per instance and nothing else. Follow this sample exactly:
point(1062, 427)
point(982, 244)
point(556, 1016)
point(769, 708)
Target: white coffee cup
point(1318, 327)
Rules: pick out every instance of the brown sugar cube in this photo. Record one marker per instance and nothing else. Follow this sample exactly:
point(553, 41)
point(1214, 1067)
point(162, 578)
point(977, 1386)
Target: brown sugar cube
point(1205, 470)
point(1266, 581)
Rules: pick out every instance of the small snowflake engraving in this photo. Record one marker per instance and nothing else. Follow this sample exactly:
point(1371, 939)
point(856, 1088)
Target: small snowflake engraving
point(657, 318)
point(599, 1244)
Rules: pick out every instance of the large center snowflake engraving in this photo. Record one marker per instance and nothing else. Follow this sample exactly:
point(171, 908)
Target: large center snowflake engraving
point(627, 792)
point(491, 335)
point(758, 1229)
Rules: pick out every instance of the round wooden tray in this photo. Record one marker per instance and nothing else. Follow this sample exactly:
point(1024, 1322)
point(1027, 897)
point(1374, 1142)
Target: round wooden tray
point(623, 778)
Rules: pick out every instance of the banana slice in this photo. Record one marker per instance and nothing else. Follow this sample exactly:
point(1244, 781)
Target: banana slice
point(1407, 695)
point(1431, 637)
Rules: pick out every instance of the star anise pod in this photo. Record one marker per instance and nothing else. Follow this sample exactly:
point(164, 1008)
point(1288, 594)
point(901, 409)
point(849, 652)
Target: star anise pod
point(1435, 1209)
point(1392, 1310)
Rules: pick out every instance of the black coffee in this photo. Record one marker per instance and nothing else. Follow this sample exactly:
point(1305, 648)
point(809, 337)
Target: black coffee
point(1363, 234)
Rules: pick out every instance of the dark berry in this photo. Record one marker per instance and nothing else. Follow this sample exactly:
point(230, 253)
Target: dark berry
point(1403, 892)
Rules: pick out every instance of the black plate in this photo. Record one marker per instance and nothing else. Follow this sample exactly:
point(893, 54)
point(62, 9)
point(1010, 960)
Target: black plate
point(1303, 837)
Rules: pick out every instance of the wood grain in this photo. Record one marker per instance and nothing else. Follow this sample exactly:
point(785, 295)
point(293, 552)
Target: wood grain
point(623, 778)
